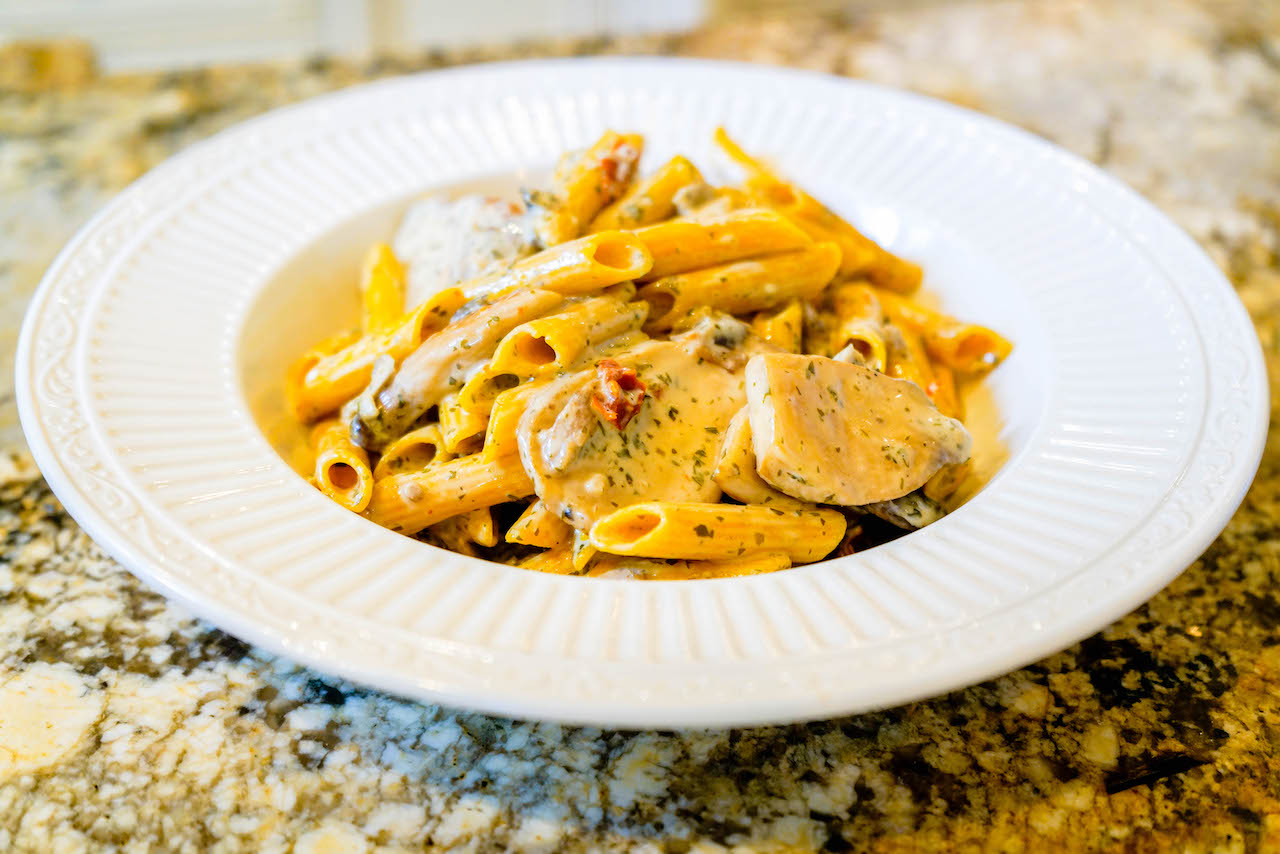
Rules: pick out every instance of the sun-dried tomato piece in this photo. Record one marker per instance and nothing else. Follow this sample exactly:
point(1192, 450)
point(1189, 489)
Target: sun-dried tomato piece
point(621, 393)
point(617, 166)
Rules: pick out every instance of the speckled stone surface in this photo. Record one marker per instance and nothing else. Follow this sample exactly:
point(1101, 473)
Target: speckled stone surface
point(127, 725)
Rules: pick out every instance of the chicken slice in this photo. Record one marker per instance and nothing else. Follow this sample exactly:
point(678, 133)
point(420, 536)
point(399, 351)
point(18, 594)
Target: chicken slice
point(584, 467)
point(835, 433)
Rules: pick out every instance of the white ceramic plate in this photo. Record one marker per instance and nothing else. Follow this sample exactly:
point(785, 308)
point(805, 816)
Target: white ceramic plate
point(152, 355)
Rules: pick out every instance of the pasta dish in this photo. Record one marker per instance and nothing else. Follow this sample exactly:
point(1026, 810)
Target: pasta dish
point(644, 376)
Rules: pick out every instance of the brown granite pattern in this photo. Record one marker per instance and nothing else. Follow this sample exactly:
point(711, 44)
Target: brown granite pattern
point(126, 725)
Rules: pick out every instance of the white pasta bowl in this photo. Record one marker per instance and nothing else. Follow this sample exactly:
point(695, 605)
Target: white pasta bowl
point(150, 368)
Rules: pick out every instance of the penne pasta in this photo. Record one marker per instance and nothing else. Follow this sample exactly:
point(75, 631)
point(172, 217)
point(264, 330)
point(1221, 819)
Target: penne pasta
point(783, 328)
point(756, 563)
point(500, 436)
point(694, 531)
point(382, 285)
point(552, 343)
point(443, 363)
point(478, 393)
point(586, 184)
point(413, 451)
point(860, 254)
point(557, 561)
point(964, 347)
point(942, 485)
point(859, 323)
point(411, 501)
point(584, 551)
point(342, 468)
point(742, 287)
point(942, 389)
point(649, 200)
point(462, 429)
point(682, 245)
point(905, 358)
point(538, 526)
point(321, 382)
point(574, 268)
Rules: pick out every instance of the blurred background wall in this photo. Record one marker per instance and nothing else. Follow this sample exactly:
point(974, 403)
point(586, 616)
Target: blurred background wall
point(149, 34)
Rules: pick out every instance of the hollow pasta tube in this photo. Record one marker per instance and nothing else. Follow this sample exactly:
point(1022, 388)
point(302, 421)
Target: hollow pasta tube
point(538, 526)
point(906, 358)
point(462, 428)
point(650, 199)
point(552, 343)
point(859, 322)
point(783, 328)
point(860, 254)
point(943, 391)
point(413, 451)
point(321, 382)
point(500, 437)
point(696, 531)
point(681, 245)
point(342, 468)
point(445, 361)
point(966, 348)
point(755, 563)
point(586, 184)
point(557, 561)
point(381, 290)
point(741, 287)
point(411, 501)
point(577, 267)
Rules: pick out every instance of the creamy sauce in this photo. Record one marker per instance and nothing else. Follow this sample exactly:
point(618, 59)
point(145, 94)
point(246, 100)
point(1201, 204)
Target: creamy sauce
point(836, 433)
point(585, 470)
point(443, 242)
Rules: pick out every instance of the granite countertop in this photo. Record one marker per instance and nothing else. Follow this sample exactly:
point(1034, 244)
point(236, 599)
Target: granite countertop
point(127, 725)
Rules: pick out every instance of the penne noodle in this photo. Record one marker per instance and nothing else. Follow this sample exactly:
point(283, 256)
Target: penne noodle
point(860, 254)
point(322, 382)
point(459, 533)
point(943, 392)
point(342, 468)
point(696, 531)
point(552, 343)
point(584, 551)
point(557, 561)
point(413, 451)
point(859, 323)
point(736, 473)
point(964, 347)
point(443, 363)
point(682, 245)
point(749, 564)
point(650, 199)
point(742, 287)
point(946, 481)
point(479, 527)
point(574, 268)
point(411, 501)
point(906, 359)
point(783, 328)
point(381, 290)
point(538, 526)
point(500, 436)
point(478, 393)
point(592, 180)
point(462, 429)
